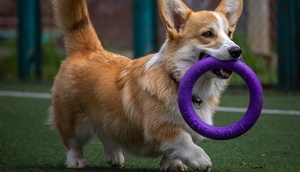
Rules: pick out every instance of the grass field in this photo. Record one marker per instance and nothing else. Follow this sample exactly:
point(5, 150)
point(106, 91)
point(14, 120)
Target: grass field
point(27, 144)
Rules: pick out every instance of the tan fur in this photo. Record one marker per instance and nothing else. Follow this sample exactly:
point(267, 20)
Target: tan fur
point(131, 105)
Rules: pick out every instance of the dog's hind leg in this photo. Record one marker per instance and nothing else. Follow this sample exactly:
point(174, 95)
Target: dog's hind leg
point(114, 156)
point(74, 142)
point(113, 152)
point(75, 158)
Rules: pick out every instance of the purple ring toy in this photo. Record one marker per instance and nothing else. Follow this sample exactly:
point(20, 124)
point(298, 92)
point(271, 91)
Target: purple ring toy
point(227, 132)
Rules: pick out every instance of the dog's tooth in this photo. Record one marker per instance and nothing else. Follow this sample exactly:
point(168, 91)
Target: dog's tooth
point(221, 71)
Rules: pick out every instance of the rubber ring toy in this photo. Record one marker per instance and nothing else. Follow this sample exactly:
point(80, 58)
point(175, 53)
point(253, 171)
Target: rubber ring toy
point(217, 132)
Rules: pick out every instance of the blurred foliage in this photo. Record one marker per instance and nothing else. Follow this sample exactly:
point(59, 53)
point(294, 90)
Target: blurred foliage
point(8, 60)
point(51, 59)
point(266, 72)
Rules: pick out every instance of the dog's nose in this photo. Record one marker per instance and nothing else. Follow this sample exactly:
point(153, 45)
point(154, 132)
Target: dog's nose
point(235, 52)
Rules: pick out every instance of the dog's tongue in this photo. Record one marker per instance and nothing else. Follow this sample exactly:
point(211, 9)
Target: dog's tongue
point(226, 73)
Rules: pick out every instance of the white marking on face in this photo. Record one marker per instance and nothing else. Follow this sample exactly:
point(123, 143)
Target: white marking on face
point(227, 42)
point(222, 52)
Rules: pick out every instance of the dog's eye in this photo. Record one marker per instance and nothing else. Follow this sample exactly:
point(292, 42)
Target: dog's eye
point(208, 34)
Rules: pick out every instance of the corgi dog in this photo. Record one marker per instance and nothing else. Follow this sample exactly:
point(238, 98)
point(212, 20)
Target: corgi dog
point(131, 105)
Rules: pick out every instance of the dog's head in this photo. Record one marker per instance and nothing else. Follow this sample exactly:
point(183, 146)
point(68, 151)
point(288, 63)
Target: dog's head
point(191, 36)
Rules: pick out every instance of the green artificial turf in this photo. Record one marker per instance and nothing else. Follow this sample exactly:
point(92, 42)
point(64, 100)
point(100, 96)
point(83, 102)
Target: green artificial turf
point(27, 144)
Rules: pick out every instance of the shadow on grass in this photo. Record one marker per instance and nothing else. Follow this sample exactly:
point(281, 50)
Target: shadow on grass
point(61, 167)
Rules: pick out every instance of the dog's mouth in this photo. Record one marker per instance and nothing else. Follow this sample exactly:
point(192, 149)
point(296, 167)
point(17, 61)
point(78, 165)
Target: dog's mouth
point(220, 73)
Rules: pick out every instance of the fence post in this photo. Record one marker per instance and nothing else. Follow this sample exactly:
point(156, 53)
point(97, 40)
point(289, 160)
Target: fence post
point(143, 27)
point(38, 43)
point(288, 38)
point(28, 38)
point(259, 37)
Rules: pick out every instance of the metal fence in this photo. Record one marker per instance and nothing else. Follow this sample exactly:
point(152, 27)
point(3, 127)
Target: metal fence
point(113, 21)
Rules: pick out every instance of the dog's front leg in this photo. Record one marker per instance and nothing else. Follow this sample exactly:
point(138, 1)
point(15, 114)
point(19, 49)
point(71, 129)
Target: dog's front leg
point(184, 149)
point(169, 164)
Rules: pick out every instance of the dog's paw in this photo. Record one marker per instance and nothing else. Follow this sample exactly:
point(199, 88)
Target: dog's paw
point(198, 160)
point(115, 159)
point(167, 164)
point(76, 163)
point(75, 159)
point(184, 149)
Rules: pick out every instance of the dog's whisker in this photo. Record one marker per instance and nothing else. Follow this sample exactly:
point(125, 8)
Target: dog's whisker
point(242, 59)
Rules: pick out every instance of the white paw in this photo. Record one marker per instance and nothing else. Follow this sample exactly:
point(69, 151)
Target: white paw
point(197, 159)
point(115, 159)
point(167, 164)
point(184, 149)
point(77, 163)
point(75, 159)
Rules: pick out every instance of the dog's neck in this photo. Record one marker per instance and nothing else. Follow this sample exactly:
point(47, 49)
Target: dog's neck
point(174, 79)
point(195, 99)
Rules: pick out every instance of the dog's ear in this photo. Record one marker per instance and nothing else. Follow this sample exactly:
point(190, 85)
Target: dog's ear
point(232, 9)
point(174, 14)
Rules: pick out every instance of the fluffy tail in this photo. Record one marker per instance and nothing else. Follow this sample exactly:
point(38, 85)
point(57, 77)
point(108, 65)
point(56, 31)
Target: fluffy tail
point(73, 19)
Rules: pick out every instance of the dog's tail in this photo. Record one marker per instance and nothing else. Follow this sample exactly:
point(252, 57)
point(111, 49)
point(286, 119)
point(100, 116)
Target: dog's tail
point(73, 19)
